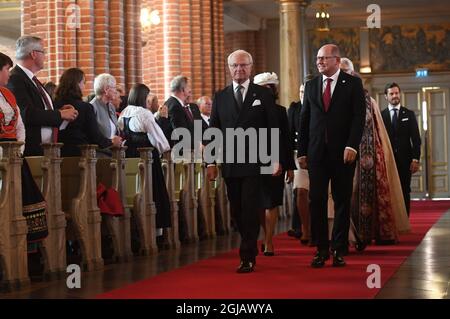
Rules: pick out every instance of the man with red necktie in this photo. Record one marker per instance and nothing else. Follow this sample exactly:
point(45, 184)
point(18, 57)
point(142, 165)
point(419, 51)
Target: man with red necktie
point(41, 120)
point(331, 126)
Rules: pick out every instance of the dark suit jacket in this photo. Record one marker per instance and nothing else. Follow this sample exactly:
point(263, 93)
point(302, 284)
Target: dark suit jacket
point(166, 127)
point(178, 117)
point(32, 110)
point(286, 142)
point(294, 122)
point(198, 115)
point(84, 130)
point(226, 114)
point(406, 142)
point(342, 126)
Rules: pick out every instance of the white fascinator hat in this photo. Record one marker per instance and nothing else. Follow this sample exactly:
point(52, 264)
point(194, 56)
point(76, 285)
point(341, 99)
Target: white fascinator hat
point(266, 78)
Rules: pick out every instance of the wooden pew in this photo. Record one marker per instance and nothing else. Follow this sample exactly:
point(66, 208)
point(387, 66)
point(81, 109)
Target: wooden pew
point(188, 199)
point(222, 204)
point(139, 199)
point(171, 235)
point(79, 201)
point(111, 173)
point(13, 226)
point(206, 196)
point(46, 172)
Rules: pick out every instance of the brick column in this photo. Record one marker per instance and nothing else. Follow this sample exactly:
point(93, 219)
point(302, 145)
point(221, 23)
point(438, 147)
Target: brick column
point(87, 34)
point(84, 37)
point(218, 45)
point(188, 41)
point(116, 40)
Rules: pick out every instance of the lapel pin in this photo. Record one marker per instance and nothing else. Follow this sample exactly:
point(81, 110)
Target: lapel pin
point(343, 81)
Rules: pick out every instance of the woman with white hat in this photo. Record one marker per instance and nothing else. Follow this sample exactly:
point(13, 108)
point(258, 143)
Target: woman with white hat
point(273, 187)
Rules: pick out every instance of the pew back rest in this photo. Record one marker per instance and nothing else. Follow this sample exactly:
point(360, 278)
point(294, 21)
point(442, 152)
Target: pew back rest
point(132, 186)
point(70, 181)
point(104, 172)
point(35, 164)
point(179, 179)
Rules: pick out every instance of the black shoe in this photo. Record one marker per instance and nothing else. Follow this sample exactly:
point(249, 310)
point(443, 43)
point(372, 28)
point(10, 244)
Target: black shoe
point(319, 260)
point(338, 260)
point(263, 248)
point(295, 233)
point(246, 267)
point(343, 252)
point(269, 253)
point(383, 242)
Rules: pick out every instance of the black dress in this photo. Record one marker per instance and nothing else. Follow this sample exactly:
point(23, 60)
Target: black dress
point(160, 195)
point(273, 186)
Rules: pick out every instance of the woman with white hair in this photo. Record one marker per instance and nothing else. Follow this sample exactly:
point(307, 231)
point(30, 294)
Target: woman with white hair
point(376, 212)
point(105, 112)
point(273, 186)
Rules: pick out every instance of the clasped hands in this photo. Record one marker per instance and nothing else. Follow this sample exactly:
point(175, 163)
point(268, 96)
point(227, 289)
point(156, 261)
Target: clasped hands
point(68, 112)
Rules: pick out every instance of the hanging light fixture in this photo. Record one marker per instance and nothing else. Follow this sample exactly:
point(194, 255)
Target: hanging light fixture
point(322, 19)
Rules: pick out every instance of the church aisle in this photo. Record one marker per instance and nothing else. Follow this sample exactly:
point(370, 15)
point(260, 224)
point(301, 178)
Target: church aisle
point(425, 274)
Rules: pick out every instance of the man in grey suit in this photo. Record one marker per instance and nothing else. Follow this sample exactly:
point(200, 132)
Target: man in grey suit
point(105, 93)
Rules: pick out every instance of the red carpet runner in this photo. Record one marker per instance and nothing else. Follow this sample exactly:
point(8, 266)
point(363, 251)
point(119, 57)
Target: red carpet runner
point(288, 274)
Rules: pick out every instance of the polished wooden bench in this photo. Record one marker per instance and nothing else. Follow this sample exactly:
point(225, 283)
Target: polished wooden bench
point(13, 226)
point(79, 202)
point(46, 171)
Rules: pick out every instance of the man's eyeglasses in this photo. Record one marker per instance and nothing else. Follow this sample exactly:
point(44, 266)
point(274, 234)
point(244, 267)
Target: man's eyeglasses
point(242, 65)
point(321, 58)
point(41, 51)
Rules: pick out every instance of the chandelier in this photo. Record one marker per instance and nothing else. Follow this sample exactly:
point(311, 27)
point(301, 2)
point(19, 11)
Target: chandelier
point(322, 19)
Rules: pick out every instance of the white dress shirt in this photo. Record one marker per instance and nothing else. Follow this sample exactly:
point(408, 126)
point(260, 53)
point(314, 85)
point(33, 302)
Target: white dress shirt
point(142, 120)
point(205, 118)
point(333, 83)
point(46, 131)
point(391, 113)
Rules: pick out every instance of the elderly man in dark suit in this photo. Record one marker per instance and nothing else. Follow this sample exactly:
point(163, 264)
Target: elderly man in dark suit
point(182, 113)
point(246, 106)
point(331, 127)
point(41, 120)
point(403, 131)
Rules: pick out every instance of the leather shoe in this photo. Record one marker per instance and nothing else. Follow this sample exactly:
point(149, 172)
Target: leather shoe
point(343, 252)
point(319, 260)
point(383, 242)
point(294, 233)
point(338, 260)
point(304, 241)
point(269, 253)
point(246, 267)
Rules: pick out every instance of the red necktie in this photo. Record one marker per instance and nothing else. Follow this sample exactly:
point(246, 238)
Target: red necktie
point(327, 95)
point(188, 113)
point(48, 105)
